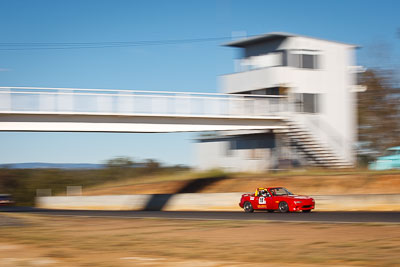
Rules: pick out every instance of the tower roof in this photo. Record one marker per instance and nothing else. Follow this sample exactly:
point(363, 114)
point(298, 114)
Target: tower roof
point(273, 36)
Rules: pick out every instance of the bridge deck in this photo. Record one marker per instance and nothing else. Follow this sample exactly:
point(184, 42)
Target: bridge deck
point(109, 110)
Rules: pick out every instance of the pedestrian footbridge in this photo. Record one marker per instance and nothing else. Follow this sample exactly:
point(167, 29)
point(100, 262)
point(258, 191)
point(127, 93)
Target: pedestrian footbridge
point(111, 110)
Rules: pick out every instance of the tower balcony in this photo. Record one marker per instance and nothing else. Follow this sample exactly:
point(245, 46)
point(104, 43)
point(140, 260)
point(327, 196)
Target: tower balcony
point(256, 79)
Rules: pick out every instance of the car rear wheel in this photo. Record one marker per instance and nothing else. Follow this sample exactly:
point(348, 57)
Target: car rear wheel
point(248, 207)
point(283, 207)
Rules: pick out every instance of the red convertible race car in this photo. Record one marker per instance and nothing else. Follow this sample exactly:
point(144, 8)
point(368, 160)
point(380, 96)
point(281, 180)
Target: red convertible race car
point(276, 198)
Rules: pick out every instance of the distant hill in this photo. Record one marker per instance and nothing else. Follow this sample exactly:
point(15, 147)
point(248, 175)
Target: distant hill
point(42, 165)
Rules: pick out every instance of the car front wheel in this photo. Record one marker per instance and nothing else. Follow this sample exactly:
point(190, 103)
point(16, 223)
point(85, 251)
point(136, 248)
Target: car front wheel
point(248, 207)
point(283, 207)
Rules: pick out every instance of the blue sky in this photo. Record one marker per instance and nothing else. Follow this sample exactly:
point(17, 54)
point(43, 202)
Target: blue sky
point(183, 67)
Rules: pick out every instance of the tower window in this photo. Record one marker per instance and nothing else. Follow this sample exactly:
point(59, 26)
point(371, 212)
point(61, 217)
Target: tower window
point(308, 103)
point(303, 60)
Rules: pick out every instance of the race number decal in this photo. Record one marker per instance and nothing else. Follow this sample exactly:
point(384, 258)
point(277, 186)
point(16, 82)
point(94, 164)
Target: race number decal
point(261, 200)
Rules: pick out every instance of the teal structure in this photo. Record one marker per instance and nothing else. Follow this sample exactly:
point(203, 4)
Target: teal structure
point(390, 161)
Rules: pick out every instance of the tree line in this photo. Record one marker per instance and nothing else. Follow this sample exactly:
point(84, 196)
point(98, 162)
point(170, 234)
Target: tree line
point(378, 113)
point(22, 183)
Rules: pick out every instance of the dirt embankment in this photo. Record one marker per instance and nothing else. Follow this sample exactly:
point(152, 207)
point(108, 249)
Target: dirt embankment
point(366, 183)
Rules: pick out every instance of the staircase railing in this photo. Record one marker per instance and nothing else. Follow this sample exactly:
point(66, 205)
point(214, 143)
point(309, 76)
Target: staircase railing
point(324, 133)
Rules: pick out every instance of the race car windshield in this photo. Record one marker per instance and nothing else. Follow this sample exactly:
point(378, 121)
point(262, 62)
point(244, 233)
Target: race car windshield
point(281, 192)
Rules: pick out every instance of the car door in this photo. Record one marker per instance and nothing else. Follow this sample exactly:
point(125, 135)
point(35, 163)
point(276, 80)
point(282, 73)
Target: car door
point(266, 202)
point(272, 202)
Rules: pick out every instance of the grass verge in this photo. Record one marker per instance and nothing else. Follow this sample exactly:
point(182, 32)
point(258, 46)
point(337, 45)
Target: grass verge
point(74, 241)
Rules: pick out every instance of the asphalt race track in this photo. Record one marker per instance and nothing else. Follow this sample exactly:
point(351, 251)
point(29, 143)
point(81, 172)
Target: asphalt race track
point(333, 217)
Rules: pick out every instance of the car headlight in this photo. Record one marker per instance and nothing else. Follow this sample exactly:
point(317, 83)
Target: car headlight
point(297, 202)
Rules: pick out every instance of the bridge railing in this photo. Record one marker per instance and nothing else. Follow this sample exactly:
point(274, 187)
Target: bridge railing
point(126, 102)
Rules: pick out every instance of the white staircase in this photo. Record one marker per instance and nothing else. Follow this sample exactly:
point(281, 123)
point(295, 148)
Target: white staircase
point(313, 150)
